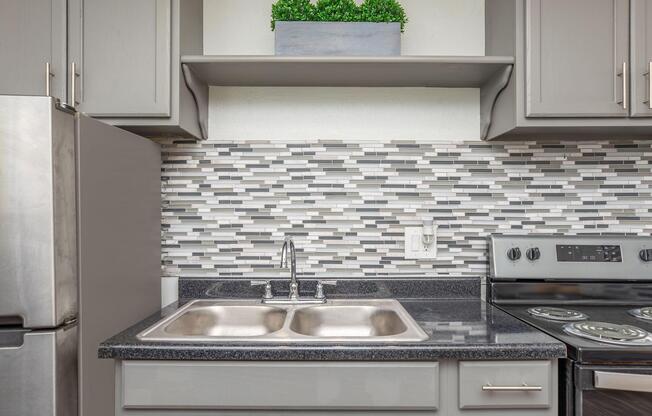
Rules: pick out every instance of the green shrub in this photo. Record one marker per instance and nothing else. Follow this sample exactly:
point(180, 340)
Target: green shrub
point(339, 11)
point(292, 11)
point(383, 11)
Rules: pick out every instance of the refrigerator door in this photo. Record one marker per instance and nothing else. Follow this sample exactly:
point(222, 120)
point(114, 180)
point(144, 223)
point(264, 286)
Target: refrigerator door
point(38, 260)
point(38, 372)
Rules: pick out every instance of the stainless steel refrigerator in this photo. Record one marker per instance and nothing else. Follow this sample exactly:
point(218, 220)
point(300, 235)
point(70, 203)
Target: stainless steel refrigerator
point(79, 253)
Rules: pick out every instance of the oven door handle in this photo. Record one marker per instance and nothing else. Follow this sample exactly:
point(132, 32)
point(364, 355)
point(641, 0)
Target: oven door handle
point(622, 381)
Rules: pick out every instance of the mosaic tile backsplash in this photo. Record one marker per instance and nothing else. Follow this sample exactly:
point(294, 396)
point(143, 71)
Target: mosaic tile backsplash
point(228, 205)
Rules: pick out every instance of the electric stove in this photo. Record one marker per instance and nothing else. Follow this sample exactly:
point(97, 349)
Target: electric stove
point(594, 293)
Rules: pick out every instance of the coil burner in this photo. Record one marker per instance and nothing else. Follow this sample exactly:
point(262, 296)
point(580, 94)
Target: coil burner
point(642, 313)
point(557, 314)
point(609, 333)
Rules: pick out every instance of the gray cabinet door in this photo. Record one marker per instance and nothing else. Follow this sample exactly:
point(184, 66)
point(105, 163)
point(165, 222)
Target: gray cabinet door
point(641, 57)
point(291, 386)
point(32, 33)
point(122, 51)
point(575, 54)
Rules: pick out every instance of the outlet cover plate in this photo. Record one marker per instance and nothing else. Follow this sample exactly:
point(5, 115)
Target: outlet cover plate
point(414, 248)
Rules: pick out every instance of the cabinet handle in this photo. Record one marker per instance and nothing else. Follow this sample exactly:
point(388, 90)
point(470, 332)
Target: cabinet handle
point(48, 76)
point(73, 84)
point(625, 84)
point(523, 387)
point(649, 85)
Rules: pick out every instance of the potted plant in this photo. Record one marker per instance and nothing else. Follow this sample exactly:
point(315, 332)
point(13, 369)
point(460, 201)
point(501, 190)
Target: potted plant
point(338, 27)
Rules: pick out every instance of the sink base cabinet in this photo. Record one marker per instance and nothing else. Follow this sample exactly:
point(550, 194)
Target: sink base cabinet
point(202, 388)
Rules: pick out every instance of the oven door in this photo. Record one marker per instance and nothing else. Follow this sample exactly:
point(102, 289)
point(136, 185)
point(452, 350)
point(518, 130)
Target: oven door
point(613, 390)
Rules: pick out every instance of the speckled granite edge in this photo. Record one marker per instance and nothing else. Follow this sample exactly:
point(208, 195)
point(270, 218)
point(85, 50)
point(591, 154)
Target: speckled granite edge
point(340, 353)
point(402, 288)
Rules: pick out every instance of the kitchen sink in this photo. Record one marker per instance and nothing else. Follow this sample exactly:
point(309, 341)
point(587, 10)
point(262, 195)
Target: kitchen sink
point(246, 320)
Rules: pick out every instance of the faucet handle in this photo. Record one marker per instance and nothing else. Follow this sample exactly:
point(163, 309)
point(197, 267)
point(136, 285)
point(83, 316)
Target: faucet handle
point(268, 287)
point(319, 293)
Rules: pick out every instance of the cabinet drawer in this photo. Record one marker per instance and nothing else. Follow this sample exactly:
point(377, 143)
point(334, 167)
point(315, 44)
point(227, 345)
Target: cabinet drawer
point(280, 385)
point(504, 384)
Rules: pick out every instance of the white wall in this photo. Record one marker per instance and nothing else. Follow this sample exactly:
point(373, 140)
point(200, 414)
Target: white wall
point(436, 27)
point(343, 113)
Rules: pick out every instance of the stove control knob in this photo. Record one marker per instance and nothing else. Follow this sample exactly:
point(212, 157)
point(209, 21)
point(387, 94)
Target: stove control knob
point(646, 255)
point(514, 253)
point(533, 254)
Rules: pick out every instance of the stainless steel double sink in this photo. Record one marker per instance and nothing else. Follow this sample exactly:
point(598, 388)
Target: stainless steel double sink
point(338, 321)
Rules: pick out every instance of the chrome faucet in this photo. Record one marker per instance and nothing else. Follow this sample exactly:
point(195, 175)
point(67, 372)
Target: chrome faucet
point(289, 260)
point(288, 246)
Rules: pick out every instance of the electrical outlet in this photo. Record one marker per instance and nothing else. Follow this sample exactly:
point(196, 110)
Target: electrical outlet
point(414, 247)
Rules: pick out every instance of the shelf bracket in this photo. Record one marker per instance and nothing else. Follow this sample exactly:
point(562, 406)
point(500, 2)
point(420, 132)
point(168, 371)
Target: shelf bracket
point(199, 91)
point(489, 94)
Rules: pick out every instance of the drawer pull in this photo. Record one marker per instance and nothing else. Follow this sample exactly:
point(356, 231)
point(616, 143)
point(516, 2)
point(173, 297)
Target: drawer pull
point(524, 387)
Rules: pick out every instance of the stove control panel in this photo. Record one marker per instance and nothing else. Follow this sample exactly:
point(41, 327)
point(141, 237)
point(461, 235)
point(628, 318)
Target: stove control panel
point(559, 257)
point(589, 253)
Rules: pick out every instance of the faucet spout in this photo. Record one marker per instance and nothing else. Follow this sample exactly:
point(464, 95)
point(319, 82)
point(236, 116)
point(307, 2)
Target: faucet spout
point(288, 251)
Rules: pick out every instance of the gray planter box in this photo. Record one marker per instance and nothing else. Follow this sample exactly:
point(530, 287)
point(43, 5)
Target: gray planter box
point(337, 39)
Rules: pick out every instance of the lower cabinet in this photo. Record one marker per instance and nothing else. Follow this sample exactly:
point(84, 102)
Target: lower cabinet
point(193, 388)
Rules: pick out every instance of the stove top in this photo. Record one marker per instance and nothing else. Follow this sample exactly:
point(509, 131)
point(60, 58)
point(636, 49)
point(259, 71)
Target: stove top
point(605, 334)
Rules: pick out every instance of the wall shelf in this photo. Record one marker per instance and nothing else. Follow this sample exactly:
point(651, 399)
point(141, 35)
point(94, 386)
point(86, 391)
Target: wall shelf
point(400, 71)
point(489, 73)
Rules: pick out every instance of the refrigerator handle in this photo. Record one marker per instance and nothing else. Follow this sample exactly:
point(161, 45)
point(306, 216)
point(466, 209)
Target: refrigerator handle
point(12, 341)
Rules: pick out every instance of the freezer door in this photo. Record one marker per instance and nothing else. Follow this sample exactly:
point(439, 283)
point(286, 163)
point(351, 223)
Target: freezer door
point(38, 253)
point(38, 372)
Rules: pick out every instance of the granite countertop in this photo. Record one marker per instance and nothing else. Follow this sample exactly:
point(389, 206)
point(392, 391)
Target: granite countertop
point(464, 327)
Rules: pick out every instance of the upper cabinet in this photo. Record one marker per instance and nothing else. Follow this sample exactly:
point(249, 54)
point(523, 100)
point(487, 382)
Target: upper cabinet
point(574, 63)
point(119, 59)
point(128, 64)
point(33, 48)
point(122, 49)
point(553, 68)
point(574, 74)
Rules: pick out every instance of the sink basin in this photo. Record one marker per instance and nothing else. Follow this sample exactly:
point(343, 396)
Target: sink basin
point(246, 320)
point(347, 321)
point(227, 321)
